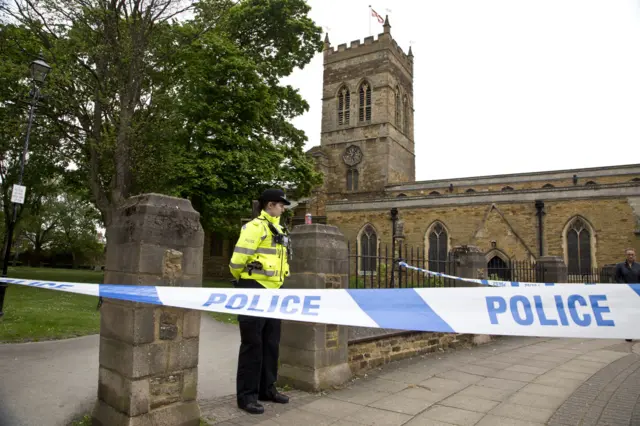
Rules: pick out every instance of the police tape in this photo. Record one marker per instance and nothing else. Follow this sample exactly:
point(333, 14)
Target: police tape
point(572, 310)
point(492, 283)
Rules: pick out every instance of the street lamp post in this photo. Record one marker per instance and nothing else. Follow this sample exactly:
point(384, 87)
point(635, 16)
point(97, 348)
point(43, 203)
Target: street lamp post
point(394, 220)
point(39, 71)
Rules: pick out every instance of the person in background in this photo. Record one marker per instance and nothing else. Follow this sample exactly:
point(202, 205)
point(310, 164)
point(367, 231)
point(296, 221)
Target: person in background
point(260, 260)
point(628, 272)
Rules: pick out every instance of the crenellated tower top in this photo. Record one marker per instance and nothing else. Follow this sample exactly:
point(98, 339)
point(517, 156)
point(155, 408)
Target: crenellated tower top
point(369, 45)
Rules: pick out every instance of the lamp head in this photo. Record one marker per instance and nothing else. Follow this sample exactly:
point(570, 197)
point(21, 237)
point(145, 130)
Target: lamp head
point(39, 70)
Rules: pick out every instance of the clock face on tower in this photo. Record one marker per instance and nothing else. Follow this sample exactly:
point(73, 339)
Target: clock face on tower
point(352, 155)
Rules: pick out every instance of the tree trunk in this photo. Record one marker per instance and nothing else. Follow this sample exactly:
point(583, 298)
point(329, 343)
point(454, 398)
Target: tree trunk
point(37, 255)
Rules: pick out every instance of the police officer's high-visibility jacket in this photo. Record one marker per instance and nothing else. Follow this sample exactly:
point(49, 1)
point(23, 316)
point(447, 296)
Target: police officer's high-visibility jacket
point(256, 243)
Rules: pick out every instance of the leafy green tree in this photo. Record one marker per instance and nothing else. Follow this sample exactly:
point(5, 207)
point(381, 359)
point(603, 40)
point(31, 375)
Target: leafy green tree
point(191, 108)
point(238, 137)
point(62, 223)
point(46, 160)
point(76, 230)
point(39, 225)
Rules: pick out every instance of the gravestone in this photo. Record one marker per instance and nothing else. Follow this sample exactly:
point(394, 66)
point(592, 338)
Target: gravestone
point(148, 371)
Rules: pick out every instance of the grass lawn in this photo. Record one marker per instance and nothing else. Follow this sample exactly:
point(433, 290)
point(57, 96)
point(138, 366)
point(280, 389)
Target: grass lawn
point(35, 314)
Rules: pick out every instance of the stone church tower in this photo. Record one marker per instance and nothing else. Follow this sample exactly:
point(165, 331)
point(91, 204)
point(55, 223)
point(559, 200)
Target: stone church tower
point(367, 119)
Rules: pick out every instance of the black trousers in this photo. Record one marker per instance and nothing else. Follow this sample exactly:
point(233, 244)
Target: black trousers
point(258, 358)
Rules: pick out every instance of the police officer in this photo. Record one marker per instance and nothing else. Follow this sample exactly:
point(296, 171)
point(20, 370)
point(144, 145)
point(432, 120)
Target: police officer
point(260, 261)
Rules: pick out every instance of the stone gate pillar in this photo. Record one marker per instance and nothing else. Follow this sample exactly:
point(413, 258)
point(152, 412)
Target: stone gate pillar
point(149, 354)
point(315, 356)
point(470, 263)
point(552, 269)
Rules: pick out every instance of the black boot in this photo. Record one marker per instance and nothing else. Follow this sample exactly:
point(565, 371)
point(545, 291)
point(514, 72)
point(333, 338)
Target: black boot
point(278, 398)
point(252, 408)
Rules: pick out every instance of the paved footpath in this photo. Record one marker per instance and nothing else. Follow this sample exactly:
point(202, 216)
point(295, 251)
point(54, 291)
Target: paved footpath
point(50, 383)
point(510, 382)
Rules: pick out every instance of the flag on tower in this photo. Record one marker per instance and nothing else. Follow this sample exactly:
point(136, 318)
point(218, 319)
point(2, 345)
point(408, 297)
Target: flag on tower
point(378, 17)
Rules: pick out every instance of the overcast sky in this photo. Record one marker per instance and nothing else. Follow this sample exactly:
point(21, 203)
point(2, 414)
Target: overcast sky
point(504, 86)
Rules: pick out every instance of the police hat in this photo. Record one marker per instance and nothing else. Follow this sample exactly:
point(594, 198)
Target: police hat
point(276, 195)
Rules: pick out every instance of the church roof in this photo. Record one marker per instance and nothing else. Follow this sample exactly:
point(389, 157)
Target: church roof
point(582, 173)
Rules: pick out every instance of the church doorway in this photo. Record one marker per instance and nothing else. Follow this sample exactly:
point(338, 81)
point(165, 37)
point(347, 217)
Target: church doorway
point(498, 269)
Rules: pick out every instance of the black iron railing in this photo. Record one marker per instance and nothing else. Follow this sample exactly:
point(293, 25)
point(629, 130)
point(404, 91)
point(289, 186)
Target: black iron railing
point(515, 270)
point(380, 270)
point(592, 275)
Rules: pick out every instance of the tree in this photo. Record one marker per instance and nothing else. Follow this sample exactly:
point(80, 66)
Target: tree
point(76, 230)
point(238, 138)
point(40, 224)
point(46, 159)
point(125, 89)
point(64, 223)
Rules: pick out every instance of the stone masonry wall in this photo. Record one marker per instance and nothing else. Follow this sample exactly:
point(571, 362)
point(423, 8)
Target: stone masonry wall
point(374, 353)
point(387, 151)
point(513, 226)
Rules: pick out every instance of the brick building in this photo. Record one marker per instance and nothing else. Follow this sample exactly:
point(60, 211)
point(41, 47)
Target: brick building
point(585, 216)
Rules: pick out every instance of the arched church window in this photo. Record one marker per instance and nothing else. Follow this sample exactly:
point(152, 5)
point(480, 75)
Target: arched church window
point(398, 108)
point(579, 248)
point(438, 240)
point(365, 102)
point(368, 249)
point(344, 101)
point(352, 179)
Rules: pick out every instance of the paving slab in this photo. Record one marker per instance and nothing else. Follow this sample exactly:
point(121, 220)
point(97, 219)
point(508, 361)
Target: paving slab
point(455, 416)
point(513, 381)
point(374, 416)
point(471, 403)
point(492, 394)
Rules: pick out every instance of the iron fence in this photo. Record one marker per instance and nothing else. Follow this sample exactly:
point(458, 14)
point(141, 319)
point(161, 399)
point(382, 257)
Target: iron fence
point(593, 275)
point(515, 270)
point(378, 268)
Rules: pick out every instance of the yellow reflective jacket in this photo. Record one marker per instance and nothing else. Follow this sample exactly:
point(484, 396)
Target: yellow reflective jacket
point(256, 243)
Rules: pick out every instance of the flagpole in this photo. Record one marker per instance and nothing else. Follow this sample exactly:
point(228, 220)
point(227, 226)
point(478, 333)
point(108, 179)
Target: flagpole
point(370, 20)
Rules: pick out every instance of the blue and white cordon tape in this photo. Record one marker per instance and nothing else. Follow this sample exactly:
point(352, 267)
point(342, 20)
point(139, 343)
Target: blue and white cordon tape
point(568, 310)
point(493, 283)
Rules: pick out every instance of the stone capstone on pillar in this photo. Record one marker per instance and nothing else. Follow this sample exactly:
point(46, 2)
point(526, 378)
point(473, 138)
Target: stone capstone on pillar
point(148, 355)
point(552, 269)
point(470, 263)
point(315, 356)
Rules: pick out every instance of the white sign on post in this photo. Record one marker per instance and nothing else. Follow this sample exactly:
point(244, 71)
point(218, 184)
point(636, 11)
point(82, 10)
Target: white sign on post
point(17, 195)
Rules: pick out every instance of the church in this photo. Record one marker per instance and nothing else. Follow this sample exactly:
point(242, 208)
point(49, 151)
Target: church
point(587, 217)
